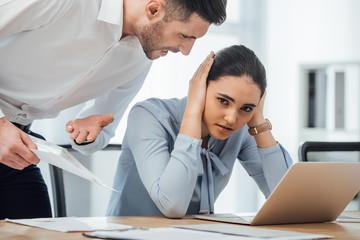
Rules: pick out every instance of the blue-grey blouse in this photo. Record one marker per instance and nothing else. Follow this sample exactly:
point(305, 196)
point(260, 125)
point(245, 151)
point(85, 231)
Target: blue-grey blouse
point(163, 172)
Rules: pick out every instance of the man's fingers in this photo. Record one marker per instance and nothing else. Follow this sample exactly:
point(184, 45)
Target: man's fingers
point(81, 137)
point(107, 120)
point(18, 156)
point(74, 134)
point(24, 163)
point(26, 153)
point(69, 128)
point(27, 141)
point(93, 134)
point(16, 162)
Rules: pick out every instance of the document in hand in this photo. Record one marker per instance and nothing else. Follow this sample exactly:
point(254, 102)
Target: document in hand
point(61, 158)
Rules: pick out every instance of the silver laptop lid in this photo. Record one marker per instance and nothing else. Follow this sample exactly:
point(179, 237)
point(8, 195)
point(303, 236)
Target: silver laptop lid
point(311, 192)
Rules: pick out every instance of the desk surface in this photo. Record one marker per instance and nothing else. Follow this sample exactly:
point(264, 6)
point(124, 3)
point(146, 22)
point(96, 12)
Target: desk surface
point(12, 231)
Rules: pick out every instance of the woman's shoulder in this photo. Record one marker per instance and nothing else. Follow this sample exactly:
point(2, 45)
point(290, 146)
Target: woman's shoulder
point(161, 108)
point(156, 116)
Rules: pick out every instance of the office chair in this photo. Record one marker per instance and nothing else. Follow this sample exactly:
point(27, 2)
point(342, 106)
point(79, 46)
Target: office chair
point(57, 181)
point(306, 147)
point(330, 151)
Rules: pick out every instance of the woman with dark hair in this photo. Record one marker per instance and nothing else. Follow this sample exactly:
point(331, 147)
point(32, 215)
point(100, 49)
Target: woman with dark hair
point(178, 154)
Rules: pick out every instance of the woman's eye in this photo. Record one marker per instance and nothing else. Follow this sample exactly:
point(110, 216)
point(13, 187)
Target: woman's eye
point(247, 109)
point(223, 101)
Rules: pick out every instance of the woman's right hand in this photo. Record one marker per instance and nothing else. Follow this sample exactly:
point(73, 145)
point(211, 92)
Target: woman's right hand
point(192, 119)
point(197, 86)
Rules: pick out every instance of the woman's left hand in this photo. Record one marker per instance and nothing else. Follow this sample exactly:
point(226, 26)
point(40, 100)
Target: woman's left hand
point(258, 117)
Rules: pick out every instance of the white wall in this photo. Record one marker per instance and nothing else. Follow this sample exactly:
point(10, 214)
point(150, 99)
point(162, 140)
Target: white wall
point(304, 32)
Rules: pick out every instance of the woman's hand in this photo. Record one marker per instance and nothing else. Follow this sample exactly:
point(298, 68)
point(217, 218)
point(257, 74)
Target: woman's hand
point(192, 119)
point(258, 117)
point(197, 87)
point(264, 139)
point(88, 128)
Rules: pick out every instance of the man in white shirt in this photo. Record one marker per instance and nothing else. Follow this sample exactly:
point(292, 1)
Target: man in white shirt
point(57, 54)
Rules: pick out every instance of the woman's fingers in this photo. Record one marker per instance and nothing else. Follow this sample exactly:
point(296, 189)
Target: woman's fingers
point(205, 66)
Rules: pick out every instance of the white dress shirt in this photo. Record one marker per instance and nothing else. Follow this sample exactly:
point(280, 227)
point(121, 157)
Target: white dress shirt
point(57, 54)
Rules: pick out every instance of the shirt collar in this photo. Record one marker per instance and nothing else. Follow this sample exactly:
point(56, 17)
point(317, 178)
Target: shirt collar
point(111, 11)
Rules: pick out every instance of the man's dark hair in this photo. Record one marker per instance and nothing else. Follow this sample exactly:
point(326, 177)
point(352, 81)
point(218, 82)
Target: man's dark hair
point(213, 11)
point(238, 60)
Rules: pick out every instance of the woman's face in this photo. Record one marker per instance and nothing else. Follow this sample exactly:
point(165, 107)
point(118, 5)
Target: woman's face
point(230, 104)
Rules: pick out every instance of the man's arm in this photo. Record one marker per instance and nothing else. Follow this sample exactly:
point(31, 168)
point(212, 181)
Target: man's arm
point(19, 16)
point(115, 101)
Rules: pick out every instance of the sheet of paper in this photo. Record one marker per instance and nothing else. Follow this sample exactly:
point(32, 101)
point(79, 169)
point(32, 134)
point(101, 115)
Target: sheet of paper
point(71, 224)
point(252, 232)
point(166, 234)
point(347, 219)
point(61, 158)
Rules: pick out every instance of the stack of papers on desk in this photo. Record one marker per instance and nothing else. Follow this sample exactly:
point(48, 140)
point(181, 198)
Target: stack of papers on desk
point(61, 158)
point(206, 232)
point(71, 224)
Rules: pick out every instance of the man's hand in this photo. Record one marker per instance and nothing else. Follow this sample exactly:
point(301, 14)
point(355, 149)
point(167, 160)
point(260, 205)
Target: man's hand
point(88, 128)
point(15, 146)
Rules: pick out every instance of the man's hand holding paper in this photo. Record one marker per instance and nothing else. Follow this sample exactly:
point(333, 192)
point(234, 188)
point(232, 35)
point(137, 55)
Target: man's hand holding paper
point(61, 158)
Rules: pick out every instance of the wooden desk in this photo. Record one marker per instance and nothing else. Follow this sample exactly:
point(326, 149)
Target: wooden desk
point(12, 231)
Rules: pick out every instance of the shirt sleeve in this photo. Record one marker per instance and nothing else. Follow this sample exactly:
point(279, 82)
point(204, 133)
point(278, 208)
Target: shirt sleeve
point(169, 177)
point(266, 166)
point(115, 101)
point(19, 16)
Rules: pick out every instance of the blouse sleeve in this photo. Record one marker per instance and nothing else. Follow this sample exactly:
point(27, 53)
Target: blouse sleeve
point(266, 166)
point(169, 177)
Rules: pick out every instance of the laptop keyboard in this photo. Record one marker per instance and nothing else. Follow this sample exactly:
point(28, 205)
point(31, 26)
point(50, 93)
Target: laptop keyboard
point(235, 217)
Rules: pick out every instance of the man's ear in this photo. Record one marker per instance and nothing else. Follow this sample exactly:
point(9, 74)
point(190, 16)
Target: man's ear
point(154, 9)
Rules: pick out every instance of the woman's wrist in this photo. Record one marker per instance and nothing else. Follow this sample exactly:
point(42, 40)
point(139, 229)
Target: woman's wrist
point(256, 122)
point(191, 124)
point(266, 126)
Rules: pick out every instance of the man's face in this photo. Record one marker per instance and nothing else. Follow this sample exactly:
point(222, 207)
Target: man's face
point(160, 37)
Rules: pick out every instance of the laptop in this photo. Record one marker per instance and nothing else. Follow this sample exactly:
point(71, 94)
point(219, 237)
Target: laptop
point(310, 192)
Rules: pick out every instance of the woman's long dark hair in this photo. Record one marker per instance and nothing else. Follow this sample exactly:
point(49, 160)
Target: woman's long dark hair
point(238, 60)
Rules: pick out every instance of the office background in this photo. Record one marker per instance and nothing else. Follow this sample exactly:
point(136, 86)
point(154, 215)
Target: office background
point(311, 52)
